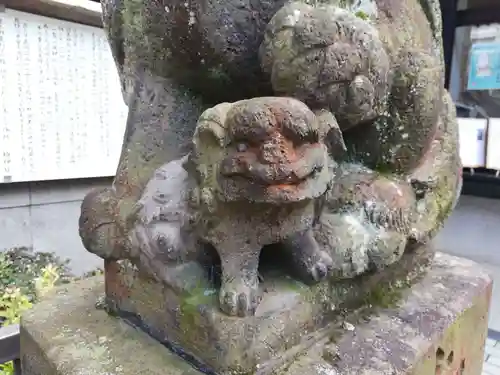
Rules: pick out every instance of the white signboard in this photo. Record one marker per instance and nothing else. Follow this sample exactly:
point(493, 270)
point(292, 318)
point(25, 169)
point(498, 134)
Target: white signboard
point(472, 138)
point(61, 109)
point(493, 144)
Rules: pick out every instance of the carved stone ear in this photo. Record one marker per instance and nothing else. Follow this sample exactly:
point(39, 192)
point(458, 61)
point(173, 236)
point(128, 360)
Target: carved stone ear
point(212, 124)
point(330, 133)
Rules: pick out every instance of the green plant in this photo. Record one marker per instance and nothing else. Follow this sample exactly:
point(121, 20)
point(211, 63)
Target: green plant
point(12, 304)
point(7, 369)
point(47, 280)
point(21, 266)
point(25, 277)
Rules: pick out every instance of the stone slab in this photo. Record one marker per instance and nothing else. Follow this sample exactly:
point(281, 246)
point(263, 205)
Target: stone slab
point(290, 318)
point(66, 334)
point(438, 327)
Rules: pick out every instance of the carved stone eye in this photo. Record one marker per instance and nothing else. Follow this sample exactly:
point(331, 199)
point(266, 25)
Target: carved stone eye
point(162, 242)
point(241, 147)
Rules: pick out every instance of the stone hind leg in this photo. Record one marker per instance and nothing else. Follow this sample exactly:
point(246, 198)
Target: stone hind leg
point(311, 264)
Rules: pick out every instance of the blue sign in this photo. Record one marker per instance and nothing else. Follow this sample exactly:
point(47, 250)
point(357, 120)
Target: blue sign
point(484, 67)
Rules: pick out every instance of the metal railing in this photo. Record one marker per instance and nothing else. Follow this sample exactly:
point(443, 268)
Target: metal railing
point(10, 346)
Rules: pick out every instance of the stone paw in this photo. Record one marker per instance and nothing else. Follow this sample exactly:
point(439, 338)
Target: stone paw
point(99, 230)
point(239, 299)
point(321, 267)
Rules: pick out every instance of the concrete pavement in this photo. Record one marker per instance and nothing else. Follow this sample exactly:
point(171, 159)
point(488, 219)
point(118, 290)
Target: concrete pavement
point(491, 364)
point(473, 231)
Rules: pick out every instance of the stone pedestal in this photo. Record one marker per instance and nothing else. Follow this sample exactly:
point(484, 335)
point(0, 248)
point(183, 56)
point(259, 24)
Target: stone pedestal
point(438, 326)
point(290, 318)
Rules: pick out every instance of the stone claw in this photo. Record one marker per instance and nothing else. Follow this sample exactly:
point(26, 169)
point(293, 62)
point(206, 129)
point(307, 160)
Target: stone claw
point(321, 268)
point(310, 262)
point(239, 299)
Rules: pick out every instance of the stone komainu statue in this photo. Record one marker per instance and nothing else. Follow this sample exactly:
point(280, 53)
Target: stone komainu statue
point(353, 164)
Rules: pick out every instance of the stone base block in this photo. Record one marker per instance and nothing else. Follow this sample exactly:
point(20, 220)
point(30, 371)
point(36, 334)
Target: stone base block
point(438, 327)
point(67, 334)
point(290, 318)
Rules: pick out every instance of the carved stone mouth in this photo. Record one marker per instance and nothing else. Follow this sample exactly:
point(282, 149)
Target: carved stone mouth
point(307, 177)
point(242, 188)
point(246, 166)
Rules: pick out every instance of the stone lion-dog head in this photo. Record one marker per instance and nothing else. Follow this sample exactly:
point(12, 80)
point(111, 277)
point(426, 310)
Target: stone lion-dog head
point(272, 150)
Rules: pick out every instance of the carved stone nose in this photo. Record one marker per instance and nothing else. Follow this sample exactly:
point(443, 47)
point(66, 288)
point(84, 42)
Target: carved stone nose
point(275, 151)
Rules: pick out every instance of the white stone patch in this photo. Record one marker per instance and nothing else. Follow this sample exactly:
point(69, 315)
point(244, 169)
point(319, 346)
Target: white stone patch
point(296, 15)
point(398, 190)
point(348, 326)
point(358, 81)
point(192, 18)
point(292, 19)
point(322, 369)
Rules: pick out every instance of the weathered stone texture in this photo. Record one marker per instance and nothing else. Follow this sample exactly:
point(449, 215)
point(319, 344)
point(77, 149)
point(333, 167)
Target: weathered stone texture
point(66, 334)
point(291, 316)
point(440, 321)
point(376, 66)
point(439, 328)
point(351, 170)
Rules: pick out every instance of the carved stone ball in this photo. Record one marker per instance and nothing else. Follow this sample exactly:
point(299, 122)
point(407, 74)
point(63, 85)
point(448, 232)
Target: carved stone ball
point(328, 58)
point(99, 225)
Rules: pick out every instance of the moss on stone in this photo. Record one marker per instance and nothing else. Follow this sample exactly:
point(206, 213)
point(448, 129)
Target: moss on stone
point(362, 15)
point(429, 13)
point(198, 297)
point(133, 20)
point(190, 312)
point(386, 295)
